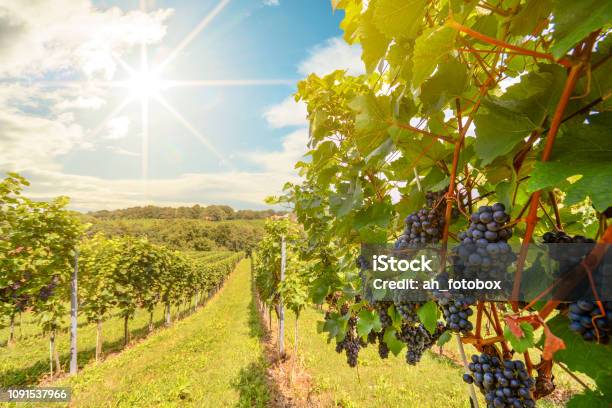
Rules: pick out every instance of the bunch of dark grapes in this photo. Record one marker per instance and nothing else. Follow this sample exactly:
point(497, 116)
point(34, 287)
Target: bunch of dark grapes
point(386, 321)
point(568, 256)
point(585, 315)
point(406, 308)
point(48, 290)
point(408, 311)
point(457, 309)
point(424, 226)
point(417, 340)
point(351, 344)
point(483, 248)
point(560, 237)
point(504, 383)
point(382, 309)
point(372, 337)
point(586, 319)
point(383, 348)
point(362, 262)
point(11, 294)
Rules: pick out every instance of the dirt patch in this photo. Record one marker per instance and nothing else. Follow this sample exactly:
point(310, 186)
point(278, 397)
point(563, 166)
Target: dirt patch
point(290, 385)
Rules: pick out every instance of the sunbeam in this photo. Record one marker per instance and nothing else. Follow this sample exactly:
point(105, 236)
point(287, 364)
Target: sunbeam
point(111, 115)
point(230, 82)
point(162, 101)
point(193, 34)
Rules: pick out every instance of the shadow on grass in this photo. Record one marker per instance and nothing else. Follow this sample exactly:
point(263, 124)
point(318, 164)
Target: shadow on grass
point(33, 373)
point(444, 359)
point(256, 328)
point(252, 386)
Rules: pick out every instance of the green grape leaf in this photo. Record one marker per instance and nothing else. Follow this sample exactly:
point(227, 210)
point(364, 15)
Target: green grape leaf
point(449, 81)
point(379, 214)
point(399, 18)
point(394, 344)
point(335, 327)
point(486, 25)
point(520, 345)
point(368, 321)
point(583, 150)
point(373, 42)
point(429, 48)
point(589, 399)
point(575, 20)
point(444, 338)
point(504, 122)
point(323, 153)
point(396, 318)
point(349, 197)
point(428, 314)
point(529, 16)
point(589, 358)
point(373, 112)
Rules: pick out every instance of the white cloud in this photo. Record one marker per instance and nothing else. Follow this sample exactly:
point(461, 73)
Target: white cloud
point(240, 189)
point(81, 102)
point(283, 161)
point(334, 54)
point(122, 151)
point(61, 39)
point(118, 128)
point(35, 142)
point(287, 113)
point(70, 36)
point(271, 2)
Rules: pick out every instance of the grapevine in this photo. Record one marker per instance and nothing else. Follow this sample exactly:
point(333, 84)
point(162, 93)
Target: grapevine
point(436, 110)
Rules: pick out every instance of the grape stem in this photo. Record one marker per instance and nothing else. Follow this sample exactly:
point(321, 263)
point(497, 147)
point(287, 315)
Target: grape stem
point(494, 41)
point(532, 216)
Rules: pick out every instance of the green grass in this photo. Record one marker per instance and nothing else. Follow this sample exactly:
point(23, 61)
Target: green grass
point(434, 382)
point(211, 358)
point(27, 361)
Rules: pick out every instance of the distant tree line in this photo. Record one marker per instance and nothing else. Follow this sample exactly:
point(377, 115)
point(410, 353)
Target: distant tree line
point(185, 234)
point(198, 212)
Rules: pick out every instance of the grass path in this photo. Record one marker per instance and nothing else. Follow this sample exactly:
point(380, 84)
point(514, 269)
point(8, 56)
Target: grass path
point(212, 358)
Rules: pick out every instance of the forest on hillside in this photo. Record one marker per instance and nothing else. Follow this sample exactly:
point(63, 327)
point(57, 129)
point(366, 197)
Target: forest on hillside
point(184, 234)
point(198, 212)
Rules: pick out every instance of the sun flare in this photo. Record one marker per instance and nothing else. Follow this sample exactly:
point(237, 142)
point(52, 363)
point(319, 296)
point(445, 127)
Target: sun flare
point(143, 85)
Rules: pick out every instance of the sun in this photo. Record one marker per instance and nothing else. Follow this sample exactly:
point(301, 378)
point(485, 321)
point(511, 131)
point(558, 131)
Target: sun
point(144, 84)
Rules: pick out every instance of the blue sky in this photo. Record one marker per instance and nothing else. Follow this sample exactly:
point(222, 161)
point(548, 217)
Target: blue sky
point(59, 97)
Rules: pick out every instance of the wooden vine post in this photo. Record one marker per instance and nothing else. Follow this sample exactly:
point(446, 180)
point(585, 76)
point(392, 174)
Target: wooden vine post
point(281, 307)
point(74, 305)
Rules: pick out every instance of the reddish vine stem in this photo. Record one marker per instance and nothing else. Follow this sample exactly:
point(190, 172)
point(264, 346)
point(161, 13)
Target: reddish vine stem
point(499, 330)
point(494, 41)
point(453, 180)
point(532, 216)
point(480, 61)
point(528, 362)
point(479, 309)
point(553, 203)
